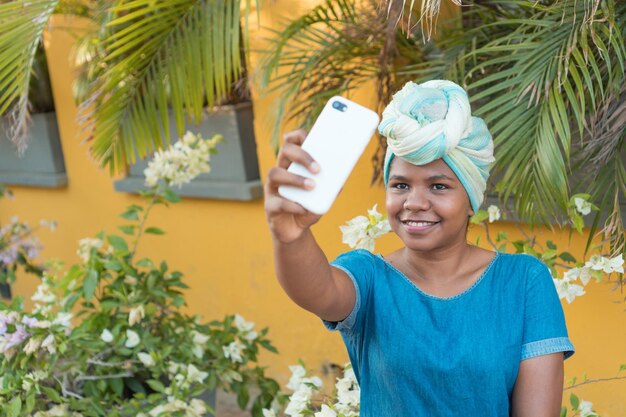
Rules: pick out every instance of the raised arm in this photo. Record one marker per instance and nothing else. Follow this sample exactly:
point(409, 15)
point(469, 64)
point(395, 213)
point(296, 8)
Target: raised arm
point(302, 268)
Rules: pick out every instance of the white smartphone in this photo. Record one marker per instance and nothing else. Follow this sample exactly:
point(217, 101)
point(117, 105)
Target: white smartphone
point(336, 141)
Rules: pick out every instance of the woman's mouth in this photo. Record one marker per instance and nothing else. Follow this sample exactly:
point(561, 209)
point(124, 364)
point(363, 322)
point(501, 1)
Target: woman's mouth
point(414, 226)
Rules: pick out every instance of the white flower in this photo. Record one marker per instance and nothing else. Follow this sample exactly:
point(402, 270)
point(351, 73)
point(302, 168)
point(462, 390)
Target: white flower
point(567, 290)
point(136, 315)
point(48, 343)
point(32, 346)
point(298, 373)
point(230, 376)
point(494, 213)
point(199, 338)
point(299, 401)
point(600, 263)
point(132, 339)
point(198, 406)
point(64, 319)
point(181, 162)
point(268, 413)
point(245, 327)
point(146, 359)
point(44, 294)
point(86, 245)
point(585, 275)
point(595, 262)
point(585, 408)
point(234, 351)
point(106, 336)
point(326, 411)
point(348, 391)
point(582, 206)
point(195, 375)
point(615, 264)
point(361, 232)
point(572, 274)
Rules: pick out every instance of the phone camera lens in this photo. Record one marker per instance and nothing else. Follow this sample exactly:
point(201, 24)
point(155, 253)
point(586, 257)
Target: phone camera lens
point(339, 106)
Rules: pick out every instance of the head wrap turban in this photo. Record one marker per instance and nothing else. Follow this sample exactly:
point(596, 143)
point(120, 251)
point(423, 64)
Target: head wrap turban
point(433, 120)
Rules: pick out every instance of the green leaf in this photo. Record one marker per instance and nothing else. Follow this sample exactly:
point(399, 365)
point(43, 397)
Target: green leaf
point(128, 229)
point(479, 217)
point(51, 393)
point(171, 196)
point(132, 212)
point(563, 412)
point(15, 407)
point(156, 385)
point(114, 265)
point(117, 384)
point(567, 257)
point(146, 263)
point(90, 283)
point(549, 254)
point(550, 244)
point(574, 401)
point(20, 39)
point(154, 231)
point(118, 243)
point(178, 58)
point(622, 367)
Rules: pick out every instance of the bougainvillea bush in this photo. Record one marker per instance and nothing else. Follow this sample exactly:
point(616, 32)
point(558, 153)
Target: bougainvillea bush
point(109, 336)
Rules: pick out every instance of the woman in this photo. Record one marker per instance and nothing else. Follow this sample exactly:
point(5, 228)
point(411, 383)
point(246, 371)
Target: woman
point(439, 327)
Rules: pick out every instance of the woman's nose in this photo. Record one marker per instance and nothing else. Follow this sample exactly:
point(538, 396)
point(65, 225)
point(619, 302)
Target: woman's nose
point(416, 200)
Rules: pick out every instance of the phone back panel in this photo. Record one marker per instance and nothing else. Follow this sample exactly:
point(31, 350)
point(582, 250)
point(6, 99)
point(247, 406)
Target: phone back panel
point(336, 141)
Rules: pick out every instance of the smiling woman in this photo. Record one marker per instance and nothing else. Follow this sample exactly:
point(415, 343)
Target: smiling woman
point(425, 322)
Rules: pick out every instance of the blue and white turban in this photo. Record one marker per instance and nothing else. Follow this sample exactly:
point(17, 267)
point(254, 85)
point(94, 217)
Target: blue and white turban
point(433, 120)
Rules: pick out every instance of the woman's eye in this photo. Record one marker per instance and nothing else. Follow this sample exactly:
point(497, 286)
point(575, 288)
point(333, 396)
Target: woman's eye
point(439, 187)
point(400, 186)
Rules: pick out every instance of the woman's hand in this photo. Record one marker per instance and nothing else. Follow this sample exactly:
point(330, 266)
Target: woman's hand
point(289, 220)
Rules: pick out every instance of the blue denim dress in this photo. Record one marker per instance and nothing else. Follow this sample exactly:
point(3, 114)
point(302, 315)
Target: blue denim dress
point(416, 354)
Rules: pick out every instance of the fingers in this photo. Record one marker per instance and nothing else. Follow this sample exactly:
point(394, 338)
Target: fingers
point(275, 205)
point(296, 137)
point(292, 151)
point(280, 176)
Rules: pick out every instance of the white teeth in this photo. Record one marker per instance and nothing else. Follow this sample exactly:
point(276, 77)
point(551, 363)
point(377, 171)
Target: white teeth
point(419, 224)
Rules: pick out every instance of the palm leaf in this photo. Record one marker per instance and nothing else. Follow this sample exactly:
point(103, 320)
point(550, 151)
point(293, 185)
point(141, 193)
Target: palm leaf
point(533, 88)
point(180, 56)
point(22, 26)
point(331, 50)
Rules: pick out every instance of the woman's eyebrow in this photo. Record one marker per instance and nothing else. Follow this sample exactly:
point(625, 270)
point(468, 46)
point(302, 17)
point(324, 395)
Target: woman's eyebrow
point(440, 177)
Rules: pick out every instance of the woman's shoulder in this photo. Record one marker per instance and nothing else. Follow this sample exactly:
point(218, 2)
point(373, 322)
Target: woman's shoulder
point(521, 262)
point(358, 257)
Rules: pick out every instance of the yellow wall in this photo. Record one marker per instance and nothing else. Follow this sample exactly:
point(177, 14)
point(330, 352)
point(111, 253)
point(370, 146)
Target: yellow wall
point(224, 247)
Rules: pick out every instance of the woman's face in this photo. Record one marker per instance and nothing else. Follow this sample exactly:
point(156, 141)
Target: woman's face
point(427, 206)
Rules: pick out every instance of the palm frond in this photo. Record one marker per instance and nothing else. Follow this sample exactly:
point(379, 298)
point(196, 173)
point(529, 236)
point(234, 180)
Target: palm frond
point(181, 56)
point(533, 87)
point(428, 13)
point(331, 50)
point(22, 26)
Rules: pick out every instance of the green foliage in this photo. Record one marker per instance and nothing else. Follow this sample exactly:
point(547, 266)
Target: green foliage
point(147, 59)
point(131, 347)
point(547, 77)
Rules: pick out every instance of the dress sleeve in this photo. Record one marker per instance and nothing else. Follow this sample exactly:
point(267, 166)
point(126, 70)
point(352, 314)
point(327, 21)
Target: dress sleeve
point(359, 266)
point(545, 331)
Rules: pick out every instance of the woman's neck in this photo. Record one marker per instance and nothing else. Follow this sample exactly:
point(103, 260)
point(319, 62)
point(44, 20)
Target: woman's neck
point(442, 266)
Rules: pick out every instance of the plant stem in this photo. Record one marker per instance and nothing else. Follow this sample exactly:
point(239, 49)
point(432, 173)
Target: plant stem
point(491, 242)
point(142, 225)
point(590, 381)
point(98, 377)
